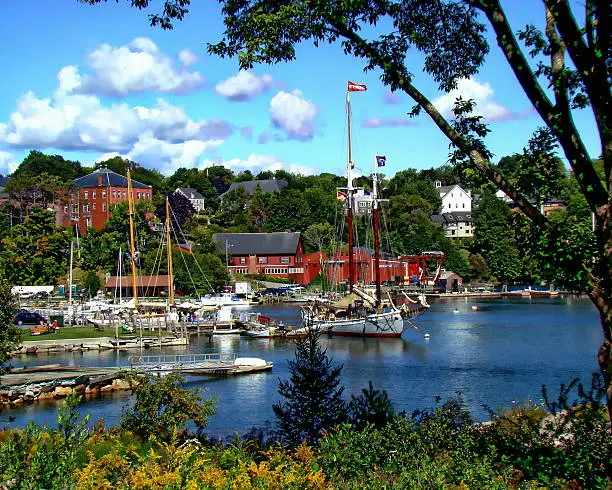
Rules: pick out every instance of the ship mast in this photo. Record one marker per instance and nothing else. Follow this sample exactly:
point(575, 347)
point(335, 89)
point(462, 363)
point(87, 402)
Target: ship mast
point(349, 192)
point(375, 219)
point(169, 253)
point(132, 251)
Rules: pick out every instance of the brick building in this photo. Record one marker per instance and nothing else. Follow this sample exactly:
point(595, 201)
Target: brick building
point(90, 201)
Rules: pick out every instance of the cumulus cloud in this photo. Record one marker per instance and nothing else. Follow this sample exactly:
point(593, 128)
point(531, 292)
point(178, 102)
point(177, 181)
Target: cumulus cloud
point(257, 163)
point(244, 86)
point(139, 66)
point(187, 57)
point(482, 94)
point(294, 115)
point(8, 164)
point(377, 122)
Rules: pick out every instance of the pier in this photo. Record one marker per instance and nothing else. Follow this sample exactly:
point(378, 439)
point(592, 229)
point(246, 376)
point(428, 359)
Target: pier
point(30, 384)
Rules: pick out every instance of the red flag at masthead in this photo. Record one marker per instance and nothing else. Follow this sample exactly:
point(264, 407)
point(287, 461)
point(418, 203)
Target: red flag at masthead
point(356, 87)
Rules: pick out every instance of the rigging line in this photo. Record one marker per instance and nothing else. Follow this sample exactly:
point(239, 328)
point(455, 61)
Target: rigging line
point(146, 289)
point(187, 267)
point(185, 240)
point(156, 267)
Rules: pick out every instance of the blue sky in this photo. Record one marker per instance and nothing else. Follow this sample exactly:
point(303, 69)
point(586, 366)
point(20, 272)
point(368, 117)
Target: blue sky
point(92, 82)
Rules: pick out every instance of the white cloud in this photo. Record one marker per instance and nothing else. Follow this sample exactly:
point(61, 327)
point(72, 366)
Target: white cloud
point(257, 163)
point(243, 86)
point(293, 114)
point(481, 93)
point(8, 164)
point(139, 66)
point(187, 57)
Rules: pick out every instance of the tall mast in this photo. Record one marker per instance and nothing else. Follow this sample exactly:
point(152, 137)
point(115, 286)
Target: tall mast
point(169, 253)
point(70, 310)
point(376, 234)
point(349, 192)
point(132, 251)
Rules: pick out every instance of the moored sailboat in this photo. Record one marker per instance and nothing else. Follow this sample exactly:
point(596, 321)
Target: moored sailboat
point(360, 314)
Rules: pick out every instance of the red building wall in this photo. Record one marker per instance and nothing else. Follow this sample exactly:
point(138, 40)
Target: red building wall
point(90, 207)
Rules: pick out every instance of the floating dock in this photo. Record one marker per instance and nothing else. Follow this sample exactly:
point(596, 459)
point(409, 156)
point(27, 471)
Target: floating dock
point(29, 384)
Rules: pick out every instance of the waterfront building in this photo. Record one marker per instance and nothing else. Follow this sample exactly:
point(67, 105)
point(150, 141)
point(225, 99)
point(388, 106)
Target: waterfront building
point(147, 286)
point(251, 186)
point(456, 216)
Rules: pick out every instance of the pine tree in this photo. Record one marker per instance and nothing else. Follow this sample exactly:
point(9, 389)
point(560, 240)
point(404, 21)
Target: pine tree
point(313, 394)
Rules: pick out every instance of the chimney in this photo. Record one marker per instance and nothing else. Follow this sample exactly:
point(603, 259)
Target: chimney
point(99, 179)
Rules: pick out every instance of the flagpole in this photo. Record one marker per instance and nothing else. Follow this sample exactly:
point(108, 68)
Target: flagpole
point(349, 196)
point(376, 232)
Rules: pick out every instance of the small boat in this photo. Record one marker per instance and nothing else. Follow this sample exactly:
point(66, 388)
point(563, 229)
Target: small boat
point(259, 326)
point(223, 299)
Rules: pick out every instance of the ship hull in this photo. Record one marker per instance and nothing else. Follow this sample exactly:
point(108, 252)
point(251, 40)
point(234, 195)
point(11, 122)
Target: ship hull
point(382, 325)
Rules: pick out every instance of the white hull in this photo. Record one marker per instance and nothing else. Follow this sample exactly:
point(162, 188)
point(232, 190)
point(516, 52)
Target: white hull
point(223, 300)
point(388, 324)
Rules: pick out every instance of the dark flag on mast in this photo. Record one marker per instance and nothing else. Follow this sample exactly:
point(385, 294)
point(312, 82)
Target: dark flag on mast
point(381, 161)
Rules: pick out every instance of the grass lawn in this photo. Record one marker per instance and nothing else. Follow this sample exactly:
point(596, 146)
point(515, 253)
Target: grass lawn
point(71, 333)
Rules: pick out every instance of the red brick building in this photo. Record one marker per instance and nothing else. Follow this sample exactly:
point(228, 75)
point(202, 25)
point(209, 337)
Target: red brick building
point(272, 254)
point(90, 201)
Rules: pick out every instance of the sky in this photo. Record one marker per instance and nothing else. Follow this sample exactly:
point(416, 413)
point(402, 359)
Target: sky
point(92, 82)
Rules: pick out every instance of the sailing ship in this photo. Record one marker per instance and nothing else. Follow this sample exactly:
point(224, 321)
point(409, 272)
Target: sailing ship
point(360, 314)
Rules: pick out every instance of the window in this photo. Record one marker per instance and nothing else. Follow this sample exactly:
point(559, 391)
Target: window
point(89, 222)
point(449, 206)
point(86, 208)
point(451, 194)
point(86, 195)
point(93, 206)
point(262, 260)
point(104, 193)
point(94, 194)
point(65, 209)
point(456, 205)
point(138, 195)
point(114, 194)
point(124, 195)
point(104, 206)
point(284, 260)
point(243, 260)
point(75, 208)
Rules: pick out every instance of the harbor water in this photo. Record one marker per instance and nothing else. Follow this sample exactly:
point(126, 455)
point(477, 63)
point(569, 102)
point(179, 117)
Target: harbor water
point(496, 354)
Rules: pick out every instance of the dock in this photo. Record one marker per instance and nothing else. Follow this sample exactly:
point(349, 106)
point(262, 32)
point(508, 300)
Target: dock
point(30, 384)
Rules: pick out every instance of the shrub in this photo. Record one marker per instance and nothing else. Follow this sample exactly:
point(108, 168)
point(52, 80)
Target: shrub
point(163, 409)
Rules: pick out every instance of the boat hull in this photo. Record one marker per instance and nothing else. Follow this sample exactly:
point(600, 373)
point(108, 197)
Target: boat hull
point(382, 325)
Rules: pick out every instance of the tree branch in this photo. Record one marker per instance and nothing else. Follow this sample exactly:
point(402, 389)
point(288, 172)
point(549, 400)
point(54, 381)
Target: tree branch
point(566, 132)
point(481, 162)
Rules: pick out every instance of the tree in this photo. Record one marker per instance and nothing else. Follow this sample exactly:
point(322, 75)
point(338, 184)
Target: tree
point(37, 163)
point(451, 37)
point(494, 238)
point(181, 210)
point(10, 335)
point(319, 237)
point(92, 284)
point(371, 407)
point(313, 394)
point(163, 408)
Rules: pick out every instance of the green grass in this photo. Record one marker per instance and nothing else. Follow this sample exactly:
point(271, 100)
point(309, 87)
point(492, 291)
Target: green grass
point(71, 333)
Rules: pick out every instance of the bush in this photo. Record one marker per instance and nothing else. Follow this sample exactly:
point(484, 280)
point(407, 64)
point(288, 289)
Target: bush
point(162, 408)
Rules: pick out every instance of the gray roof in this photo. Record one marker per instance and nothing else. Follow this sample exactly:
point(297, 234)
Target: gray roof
point(109, 178)
point(268, 185)
point(190, 193)
point(284, 243)
point(452, 217)
point(445, 189)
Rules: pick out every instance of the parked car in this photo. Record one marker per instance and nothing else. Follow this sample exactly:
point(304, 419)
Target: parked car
point(25, 317)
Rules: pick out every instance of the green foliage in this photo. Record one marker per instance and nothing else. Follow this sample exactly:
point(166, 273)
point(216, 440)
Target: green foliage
point(313, 401)
point(494, 238)
point(41, 457)
point(371, 407)
point(10, 335)
point(162, 408)
point(35, 252)
point(92, 284)
point(37, 163)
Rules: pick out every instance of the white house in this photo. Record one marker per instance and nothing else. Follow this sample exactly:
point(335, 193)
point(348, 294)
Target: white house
point(196, 199)
point(456, 217)
point(454, 198)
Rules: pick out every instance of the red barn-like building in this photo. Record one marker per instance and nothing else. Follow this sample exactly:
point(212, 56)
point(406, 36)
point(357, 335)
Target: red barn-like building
point(90, 202)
